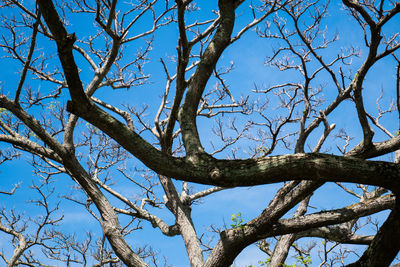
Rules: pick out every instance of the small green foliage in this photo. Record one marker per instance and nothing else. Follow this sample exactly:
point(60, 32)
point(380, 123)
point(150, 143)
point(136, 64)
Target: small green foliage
point(396, 133)
point(237, 221)
point(3, 111)
point(264, 263)
point(52, 105)
point(33, 136)
point(305, 260)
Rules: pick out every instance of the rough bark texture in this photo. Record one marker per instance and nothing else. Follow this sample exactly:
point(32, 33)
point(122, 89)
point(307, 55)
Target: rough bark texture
point(110, 225)
point(233, 241)
point(386, 244)
point(188, 111)
point(182, 214)
point(302, 173)
point(281, 249)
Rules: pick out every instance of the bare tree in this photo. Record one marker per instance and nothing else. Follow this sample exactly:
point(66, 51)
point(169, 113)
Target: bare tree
point(66, 111)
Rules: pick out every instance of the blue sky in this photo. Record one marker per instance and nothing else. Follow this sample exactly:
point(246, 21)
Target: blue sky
point(248, 54)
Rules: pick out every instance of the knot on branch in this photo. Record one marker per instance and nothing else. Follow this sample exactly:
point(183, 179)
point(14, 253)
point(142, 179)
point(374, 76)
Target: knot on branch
point(67, 42)
point(215, 173)
point(77, 108)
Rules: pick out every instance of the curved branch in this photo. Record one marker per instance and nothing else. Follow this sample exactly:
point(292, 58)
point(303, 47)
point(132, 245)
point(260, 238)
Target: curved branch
point(22, 244)
point(386, 244)
point(140, 213)
point(336, 234)
point(187, 113)
point(331, 217)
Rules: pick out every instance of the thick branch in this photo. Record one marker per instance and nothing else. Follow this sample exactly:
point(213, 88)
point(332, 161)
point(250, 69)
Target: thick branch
point(228, 173)
point(337, 234)
point(331, 217)
point(386, 244)
point(182, 212)
point(233, 241)
point(188, 111)
point(65, 44)
point(22, 244)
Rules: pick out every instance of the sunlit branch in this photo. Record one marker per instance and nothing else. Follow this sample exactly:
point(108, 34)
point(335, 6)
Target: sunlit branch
point(337, 216)
point(275, 5)
point(204, 193)
point(12, 191)
point(120, 112)
point(139, 212)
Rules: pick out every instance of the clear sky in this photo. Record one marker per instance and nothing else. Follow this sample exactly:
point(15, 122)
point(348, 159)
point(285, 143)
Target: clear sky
point(249, 55)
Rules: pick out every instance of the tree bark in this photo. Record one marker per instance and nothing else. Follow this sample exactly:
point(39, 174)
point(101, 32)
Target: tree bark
point(110, 224)
point(232, 241)
point(182, 214)
point(386, 244)
point(282, 247)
